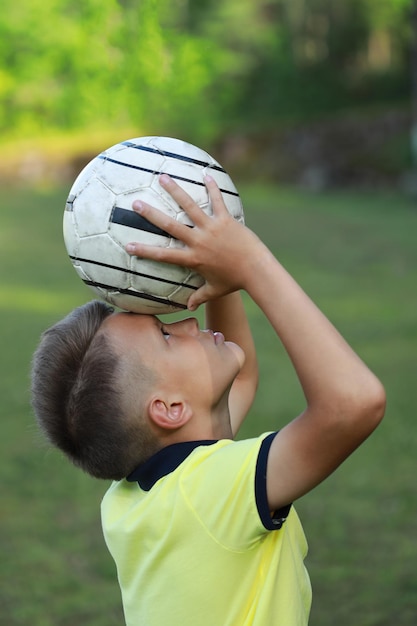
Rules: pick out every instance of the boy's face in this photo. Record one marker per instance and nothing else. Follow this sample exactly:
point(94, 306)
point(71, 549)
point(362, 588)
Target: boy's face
point(199, 363)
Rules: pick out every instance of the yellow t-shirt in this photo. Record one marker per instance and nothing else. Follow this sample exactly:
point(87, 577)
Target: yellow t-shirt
point(195, 545)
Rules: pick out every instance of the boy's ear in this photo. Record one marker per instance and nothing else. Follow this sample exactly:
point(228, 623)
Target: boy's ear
point(169, 415)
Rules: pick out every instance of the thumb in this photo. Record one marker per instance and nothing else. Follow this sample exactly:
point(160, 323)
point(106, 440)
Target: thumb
point(202, 295)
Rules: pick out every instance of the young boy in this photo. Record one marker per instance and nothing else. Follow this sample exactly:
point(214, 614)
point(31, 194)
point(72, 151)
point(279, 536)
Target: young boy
point(202, 527)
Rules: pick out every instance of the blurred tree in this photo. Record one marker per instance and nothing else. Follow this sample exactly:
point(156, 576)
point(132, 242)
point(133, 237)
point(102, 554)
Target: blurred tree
point(322, 57)
point(195, 68)
point(167, 70)
point(58, 63)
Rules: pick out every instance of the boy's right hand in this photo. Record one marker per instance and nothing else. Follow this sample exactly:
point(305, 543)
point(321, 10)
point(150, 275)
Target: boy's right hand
point(218, 247)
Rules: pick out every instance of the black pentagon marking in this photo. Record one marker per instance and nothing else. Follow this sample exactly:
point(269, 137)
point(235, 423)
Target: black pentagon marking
point(128, 218)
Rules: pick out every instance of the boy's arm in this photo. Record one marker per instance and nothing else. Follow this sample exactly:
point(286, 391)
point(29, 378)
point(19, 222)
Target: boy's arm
point(227, 315)
point(345, 401)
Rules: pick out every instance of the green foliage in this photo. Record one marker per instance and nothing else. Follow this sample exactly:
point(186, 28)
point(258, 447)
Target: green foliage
point(58, 63)
point(356, 255)
point(193, 68)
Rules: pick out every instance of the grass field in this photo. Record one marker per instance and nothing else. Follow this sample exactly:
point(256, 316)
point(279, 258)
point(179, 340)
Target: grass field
point(356, 255)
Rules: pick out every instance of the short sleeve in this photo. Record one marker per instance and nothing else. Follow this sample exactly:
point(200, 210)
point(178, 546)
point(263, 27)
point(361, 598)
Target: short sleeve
point(275, 521)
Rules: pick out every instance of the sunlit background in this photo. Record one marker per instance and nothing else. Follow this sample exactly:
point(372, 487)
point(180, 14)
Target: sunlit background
point(315, 92)
point(311, 105)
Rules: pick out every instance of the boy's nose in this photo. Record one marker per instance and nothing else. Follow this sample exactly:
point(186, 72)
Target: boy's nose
point(187, 326)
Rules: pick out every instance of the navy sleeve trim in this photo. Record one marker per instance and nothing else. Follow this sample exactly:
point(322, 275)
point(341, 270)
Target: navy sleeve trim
point(278, 518)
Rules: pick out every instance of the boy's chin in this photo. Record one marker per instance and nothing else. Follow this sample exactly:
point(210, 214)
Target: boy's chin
point(237, 351)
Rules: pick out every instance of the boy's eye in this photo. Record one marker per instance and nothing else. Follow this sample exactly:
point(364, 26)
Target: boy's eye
point(164, 332)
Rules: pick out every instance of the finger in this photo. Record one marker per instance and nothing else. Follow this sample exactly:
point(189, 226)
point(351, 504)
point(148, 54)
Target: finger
point(181, 197)
point(176, 256)
point(216, 196)
point(202, 295)
point(196, 299)
point(160, 219)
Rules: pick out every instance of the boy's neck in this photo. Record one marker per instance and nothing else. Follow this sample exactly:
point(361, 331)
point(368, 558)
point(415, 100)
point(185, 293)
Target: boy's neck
point(210, 425)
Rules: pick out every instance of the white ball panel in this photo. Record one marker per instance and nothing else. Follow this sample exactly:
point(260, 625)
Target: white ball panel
point(79, 268)
point(71, 238)
point(138, 304)
point(234, 206)
point(122, 235)
point(143, 160)
point(91, 208)
point(189, 177)
point(173, 276)
point(86, 174)
point(223, 180)
point(153, 195)
point(119, 177)
point(103, 261)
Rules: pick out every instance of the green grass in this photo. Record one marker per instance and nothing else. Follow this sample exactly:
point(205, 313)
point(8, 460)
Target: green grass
point(356, 255)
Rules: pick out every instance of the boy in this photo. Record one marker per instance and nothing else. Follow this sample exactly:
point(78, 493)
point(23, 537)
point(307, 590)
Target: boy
point(202, 528)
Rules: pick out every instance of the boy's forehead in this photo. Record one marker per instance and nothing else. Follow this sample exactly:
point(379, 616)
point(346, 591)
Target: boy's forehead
point(124, 320)
point(126, 331)
point(130, 315)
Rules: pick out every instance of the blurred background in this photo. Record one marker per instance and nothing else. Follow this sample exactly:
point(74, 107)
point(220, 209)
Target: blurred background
point(314, 92)
point(312, 108)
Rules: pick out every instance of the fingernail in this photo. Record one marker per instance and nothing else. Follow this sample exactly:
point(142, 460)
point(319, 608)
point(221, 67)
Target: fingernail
point(208, 178)
point(164, 179)
point(138, 206)
point(130, 247)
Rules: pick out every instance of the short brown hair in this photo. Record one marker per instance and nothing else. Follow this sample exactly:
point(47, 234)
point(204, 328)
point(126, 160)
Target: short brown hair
point(77, 398)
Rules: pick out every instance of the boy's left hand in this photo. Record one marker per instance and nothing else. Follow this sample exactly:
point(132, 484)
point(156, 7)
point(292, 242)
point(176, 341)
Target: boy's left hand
point(217, 247)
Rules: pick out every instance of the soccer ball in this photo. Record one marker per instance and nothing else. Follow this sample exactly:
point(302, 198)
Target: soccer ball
point(99, 220)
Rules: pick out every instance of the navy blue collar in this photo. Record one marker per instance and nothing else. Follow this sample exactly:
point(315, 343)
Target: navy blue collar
point(164, 462)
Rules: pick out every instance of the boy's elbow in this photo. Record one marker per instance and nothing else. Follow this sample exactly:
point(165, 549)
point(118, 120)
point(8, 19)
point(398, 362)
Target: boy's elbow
point(372, 408)
point(379, 403)
point(360, 410)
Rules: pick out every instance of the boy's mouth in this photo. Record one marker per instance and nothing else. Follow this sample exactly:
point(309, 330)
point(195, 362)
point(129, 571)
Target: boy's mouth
point(218, 338)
